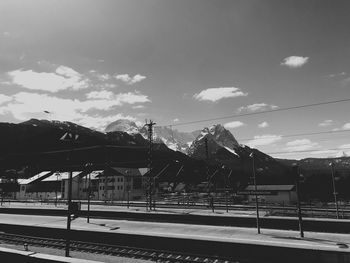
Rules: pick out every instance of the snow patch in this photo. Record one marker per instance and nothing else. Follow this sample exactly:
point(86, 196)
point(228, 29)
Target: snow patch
point(231, 151)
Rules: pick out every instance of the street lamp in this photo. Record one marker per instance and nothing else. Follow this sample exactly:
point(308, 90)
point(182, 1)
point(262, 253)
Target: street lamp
point(88, 169)
point(256, 195)
point(334, 191)
point(71, 138)
point(297, 177)
point(226, 188)
point(57, 175)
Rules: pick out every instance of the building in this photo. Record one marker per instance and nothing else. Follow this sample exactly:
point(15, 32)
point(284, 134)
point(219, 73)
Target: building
point(118, 184)
point(111, 184)
point(49, 185)
point(274, 193)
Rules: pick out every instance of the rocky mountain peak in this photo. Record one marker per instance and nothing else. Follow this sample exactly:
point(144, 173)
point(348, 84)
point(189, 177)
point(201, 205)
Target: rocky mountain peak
point(218, 137)
point(123, 125)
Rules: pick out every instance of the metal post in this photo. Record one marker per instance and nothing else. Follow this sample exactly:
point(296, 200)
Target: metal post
point(256, 196)
point(207, 171)
point(89, 195)
point(71, 138)
point(334, 191)
point(150, 138)
point(56, 189)
point(69, 212)
point(297, 188)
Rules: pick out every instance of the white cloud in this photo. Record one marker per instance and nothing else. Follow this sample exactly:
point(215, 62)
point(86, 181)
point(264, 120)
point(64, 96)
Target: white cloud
point(257, 107)
point(129, 79)
point(264, 124)
point(215, 94)
point(4, 99)
point(26, 105)
point(103, 94)
point(176, 120)
point(138, 107)
point(267, 139)
point(336, 75)
point(325, 123)
point(344, 146)
point(294, 61)
point(346, 126)
point(100, 122)
point(32, 105)
point(300, 145)
point(63, 78)
point(233, 124)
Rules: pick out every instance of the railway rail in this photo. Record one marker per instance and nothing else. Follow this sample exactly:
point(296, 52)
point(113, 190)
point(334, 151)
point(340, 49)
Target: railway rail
point(107, 249)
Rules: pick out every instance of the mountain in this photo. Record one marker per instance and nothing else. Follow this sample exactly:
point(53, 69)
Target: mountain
point(223, 149)
point(123, 125)
point(172, 138)
point(39, 142)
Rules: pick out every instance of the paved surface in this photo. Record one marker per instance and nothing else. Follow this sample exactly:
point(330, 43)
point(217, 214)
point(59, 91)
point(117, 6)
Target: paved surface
point(312, 240)
point(140, 209)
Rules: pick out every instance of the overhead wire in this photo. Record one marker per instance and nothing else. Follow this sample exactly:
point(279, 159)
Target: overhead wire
point(257, 113)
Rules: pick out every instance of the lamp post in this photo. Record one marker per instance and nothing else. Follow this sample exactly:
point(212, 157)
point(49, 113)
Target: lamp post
point(256, 195)
point(297, 177)
point(88, 168)
point(334, 191)
point(71, 138)
point(57, 175)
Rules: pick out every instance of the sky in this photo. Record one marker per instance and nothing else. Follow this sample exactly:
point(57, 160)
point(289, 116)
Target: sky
point(177, 61)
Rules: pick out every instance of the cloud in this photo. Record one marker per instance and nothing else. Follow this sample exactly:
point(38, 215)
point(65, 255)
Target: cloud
point(233, 124)
point(63, 78)
point(294, 61)
point(346, 126)
point(29, 105)
point(263, 125)
point(130, 80)
point(215, 94)
point(138, 107)
point(267, 139)
point(325, 123)
point(103, 94)
point(344, 146)
point(176, 120)
point(100, 76)
point(4, 99)
point(300, 145)
point(257, 107)
point(336, 75)
point(100, 122)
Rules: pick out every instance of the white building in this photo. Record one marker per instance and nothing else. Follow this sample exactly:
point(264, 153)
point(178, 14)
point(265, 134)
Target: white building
point(117, 183)
point(112, 184)
point(274, 193)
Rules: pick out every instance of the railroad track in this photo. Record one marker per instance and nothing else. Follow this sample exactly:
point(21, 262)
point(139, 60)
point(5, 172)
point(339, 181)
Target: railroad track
point(106, 249)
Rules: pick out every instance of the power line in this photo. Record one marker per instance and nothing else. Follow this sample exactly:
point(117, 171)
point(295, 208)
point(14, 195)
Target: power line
point(308, 151)
point(299, 134)
point(257, 113)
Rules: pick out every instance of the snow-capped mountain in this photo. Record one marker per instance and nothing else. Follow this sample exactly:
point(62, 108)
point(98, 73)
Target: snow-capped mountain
point(218, 137)
point(172, 138)
point(123, 125)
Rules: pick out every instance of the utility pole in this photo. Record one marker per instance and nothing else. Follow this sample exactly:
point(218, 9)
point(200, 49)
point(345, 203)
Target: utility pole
point(256, 195)
point(88, 185)
point(210, 198)
point(334, 191)
point(297, 188)
point(150, 125)
point(71, 138)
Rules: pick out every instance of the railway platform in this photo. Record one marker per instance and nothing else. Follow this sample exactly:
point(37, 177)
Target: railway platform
point(270, 244)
